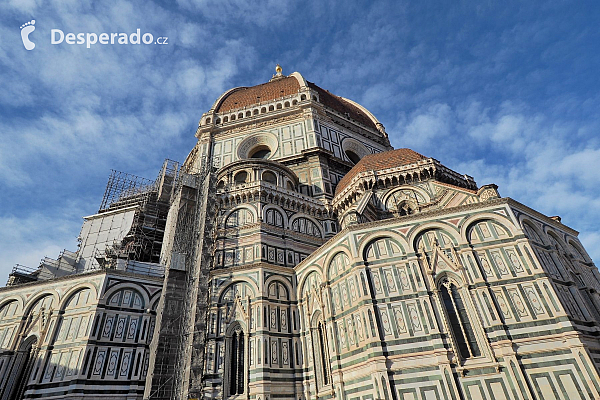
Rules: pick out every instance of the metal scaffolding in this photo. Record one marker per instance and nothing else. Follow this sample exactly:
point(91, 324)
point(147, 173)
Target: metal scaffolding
point(144, 240)
point(178, 347)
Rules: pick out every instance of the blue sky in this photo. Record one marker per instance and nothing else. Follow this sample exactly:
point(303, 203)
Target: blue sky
point(508, 92)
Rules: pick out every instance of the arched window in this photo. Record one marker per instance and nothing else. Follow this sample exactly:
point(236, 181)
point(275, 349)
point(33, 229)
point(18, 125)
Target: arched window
point(270, 177)
point(404, 208)
point(321, 354)
point(241, 177)
point(458, 318)
point(21, 369)
point(236, 362)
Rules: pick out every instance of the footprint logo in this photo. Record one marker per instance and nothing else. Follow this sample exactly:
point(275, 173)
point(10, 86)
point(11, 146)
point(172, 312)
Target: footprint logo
point(26, 29)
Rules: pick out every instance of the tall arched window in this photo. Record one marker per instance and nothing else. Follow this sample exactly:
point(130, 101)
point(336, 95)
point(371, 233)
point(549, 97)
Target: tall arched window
point(323, 351)
point(458, 318)
point(236, 362)
point(23, 364)
point(321, 354)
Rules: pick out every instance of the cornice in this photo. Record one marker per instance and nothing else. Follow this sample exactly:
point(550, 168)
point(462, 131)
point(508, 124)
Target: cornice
point(379, 225)
point(81, 275)
point(220, 271)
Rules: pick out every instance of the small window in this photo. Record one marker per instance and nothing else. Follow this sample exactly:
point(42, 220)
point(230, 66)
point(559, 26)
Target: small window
point(286, 104)
point(221, 185)
point(289, 185)
point(233, 117)
point(225, 119)
point(294, 102)
point(270, 177)
point(248, 114)
point(240, 115)
point(279, 106)
point(241, 177)
point(271, 108)
point(255, 111)
point(263, 110)
point(303, 97)
point(208, 120)
point(218, 121)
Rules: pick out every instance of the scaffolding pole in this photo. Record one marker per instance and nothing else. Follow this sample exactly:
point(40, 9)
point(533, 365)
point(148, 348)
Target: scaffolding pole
point(178, 347)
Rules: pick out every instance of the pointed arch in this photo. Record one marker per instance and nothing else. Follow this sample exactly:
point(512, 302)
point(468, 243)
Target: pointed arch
point(236, 350)
point(460, 320)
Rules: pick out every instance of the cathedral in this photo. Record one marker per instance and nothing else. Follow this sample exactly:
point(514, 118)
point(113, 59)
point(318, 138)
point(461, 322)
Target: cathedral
point(296, 255)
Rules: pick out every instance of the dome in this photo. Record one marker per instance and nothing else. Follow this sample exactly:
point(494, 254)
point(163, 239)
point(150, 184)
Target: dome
point(380, 161)
point(283, 86)
point(248, 96)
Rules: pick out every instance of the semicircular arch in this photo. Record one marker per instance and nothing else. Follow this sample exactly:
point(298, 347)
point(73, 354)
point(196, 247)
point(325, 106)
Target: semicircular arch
point(316, 223)
point(230, 285)
point(280, 210)
point(339, 259)
point(373, 236)
point(503, 221)
point(74, 290)
point(445, 227)
point(106, 298)
point(35, 299)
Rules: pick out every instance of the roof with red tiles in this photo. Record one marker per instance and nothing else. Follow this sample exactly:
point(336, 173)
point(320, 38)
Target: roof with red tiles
point(247, 96)
point(342, 106)
point(380, 161)
point(285, 86)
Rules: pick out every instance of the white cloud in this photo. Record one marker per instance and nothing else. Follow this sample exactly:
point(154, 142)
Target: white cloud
point(27, 239)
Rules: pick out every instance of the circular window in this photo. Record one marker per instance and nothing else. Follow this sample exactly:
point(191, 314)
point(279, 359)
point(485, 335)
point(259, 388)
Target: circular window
point(263, 152)
point(262, 145)
point(353, 156)
point(354, 150)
